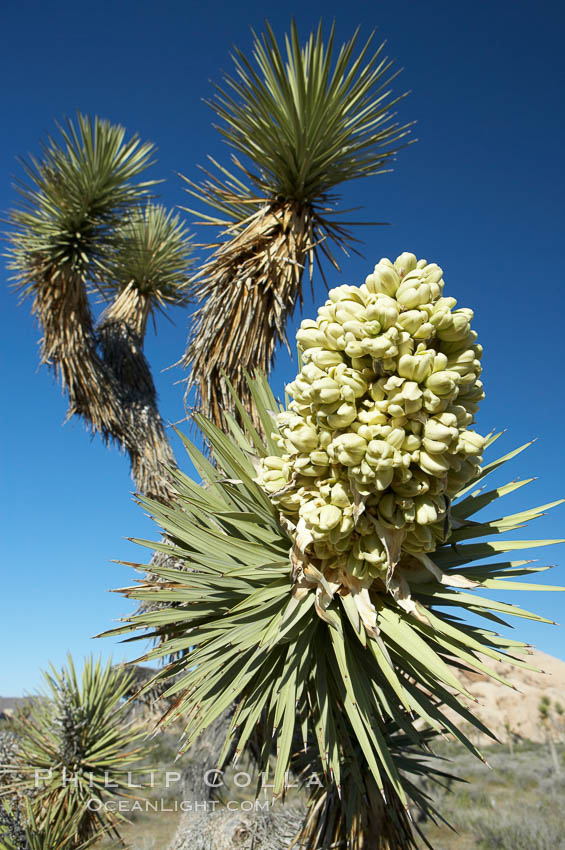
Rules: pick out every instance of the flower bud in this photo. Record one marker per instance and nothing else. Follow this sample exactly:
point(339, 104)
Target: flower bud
point(416, 367)
point(412, 396)
point(411, 443)
point(299, 389)
point(383, 478)
point(452, 348)
point(440, 362)
point(463, 417)
point(302, 436)
point(344, 293)
point(405, 263)
point(273, 480)
point(357, 567)
point(410, 280)
point(324, 359)
point(414, 296)
point(433, 447)
point(335, 337)
point(325, 391)
point(434, 429)
point(379, 347)
point(372, 416)
point(459, 477)
point(345, 414)
point(384, 310)
point(304, 466)
point(445, 304)
point(309, 335)
point(363, 364)
point(363, 430)
point(384, 279)
point(426, 331)
point(320, 458)
point(370, 548)
point(347, 311)
point(396, 438)
point(435, 464)
point(472, 393)
point(429, 509)
point(390, 511)
point(416, 485)
point(411, 320)
point(274, 462)
point(456, 329)
point(471, 443)
point(348, 449)
point(311, 372)
point(432, 402)
point(419, 539)
point(443, 384)
point(340, 495)
point(351, 378)
point(354, 329)
point(380, 453)
point(330, 516)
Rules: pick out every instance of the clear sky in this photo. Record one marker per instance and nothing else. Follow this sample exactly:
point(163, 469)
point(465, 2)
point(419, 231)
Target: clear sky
point(481, 193)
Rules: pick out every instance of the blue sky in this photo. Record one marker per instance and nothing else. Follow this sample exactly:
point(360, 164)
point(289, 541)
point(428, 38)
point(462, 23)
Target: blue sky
point(481, 193)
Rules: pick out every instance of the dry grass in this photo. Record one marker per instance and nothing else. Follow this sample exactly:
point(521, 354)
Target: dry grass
point(517, 805)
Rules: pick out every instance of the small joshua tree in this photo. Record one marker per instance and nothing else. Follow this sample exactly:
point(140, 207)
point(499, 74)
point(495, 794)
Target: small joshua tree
point(74, 751)
point(546, 720)
point(560, 712)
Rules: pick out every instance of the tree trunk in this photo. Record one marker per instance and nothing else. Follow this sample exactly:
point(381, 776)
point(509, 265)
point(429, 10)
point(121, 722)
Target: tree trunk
point(140, 428)
point(248, 289)
point(68, 346)
point(322, 821)
point(376, 824)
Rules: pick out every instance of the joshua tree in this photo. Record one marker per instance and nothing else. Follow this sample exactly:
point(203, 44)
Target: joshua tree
point(546, 720)
point(84, 225)
point(325, 571)
point(74, 748)
point(21, 830)
point(560, 712)
point(304, 122)
point(510, 736)
point(345, 640)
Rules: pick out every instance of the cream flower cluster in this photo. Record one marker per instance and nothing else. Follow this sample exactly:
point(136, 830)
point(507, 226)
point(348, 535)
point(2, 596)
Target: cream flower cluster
point(377, 435)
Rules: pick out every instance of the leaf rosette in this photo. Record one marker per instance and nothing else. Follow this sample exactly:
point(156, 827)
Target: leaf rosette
point(317, 657)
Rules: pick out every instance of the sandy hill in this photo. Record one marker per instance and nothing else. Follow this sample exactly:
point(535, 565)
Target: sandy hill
point(11, 702)
point(498, 704)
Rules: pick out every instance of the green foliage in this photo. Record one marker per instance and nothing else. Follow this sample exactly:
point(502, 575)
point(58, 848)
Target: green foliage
point(76, 194)
point(306, 120)
point(247, 629)
point(74, 751)
point(55, 831)
point(151, 252)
